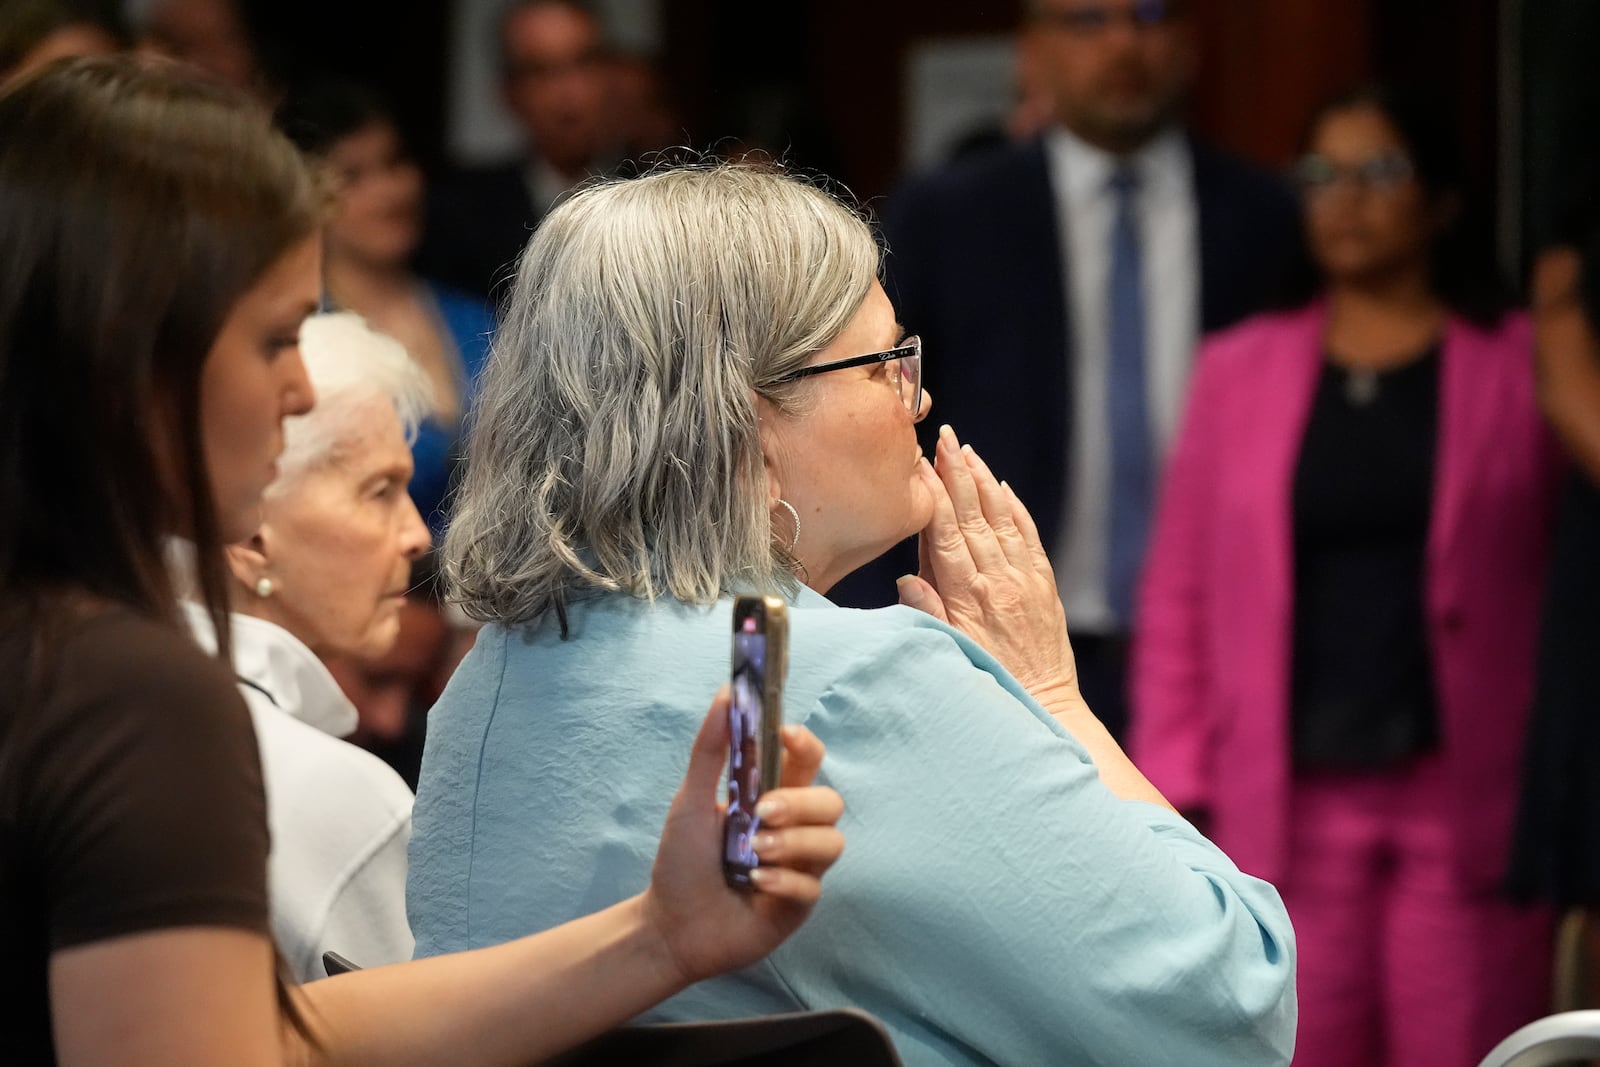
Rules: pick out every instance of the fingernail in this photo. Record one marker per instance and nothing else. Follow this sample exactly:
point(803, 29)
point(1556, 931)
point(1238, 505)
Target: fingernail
point(948, 435)
point(760, 876)
point(767, 807)
point(762, 842)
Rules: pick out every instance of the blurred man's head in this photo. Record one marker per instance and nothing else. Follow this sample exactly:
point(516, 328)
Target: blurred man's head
point(1118, 70)
point(555, 80)
point(211, 35)
point(642, 117)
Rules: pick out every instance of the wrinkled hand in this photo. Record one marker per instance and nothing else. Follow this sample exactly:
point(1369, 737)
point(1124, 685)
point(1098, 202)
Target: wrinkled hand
point(707, 926)
point(985, 572)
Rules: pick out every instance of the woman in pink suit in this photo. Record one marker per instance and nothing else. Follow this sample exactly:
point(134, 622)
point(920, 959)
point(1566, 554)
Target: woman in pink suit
point(1337, 621)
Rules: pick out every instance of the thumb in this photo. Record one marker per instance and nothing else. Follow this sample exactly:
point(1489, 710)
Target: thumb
point(708, 754)
point(916, 593)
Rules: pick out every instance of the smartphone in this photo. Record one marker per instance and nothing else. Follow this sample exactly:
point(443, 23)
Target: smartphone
point(760, 660)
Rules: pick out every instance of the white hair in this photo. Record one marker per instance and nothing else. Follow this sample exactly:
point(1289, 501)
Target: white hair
point(614, 444)
point(350, 365)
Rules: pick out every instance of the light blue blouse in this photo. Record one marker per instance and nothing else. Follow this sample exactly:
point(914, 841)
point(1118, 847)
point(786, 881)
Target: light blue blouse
point(994, 904)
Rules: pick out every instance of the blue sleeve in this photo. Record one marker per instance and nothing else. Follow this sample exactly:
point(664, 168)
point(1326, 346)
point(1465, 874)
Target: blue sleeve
point(1000, 903)
point(471, 324)
point(432, 459)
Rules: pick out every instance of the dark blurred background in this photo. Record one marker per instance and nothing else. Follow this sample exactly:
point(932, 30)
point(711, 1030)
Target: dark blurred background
point(828, 80)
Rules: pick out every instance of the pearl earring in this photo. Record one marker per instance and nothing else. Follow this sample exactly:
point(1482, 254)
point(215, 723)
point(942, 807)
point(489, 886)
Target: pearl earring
point(263, 587)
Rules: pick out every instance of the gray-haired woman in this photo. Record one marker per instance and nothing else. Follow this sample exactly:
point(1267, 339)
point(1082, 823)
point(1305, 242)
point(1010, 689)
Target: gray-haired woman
point(324, 574)
point(700, 387)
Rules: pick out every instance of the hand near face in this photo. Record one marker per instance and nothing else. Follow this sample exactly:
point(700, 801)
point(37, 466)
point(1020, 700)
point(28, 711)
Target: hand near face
point(985, 572)
point(1567, 352)
point(709, 927)
point(1561, 331)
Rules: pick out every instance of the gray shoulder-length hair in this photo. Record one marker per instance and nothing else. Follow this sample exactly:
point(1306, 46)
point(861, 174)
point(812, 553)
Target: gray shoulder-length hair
point(614, 442)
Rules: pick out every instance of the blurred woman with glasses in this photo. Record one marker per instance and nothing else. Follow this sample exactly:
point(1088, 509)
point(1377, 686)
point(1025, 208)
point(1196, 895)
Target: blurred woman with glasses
point(370, 240)
point(700, 388)
point(1336, 629)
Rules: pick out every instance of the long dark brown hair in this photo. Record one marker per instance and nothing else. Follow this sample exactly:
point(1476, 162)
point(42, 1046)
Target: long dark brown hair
point(137, 205)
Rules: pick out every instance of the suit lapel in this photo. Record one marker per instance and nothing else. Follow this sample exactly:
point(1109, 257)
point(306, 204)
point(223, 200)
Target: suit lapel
point(1231, 253)
point(1033, 217)
point(1214, 210)
point(1037, 297)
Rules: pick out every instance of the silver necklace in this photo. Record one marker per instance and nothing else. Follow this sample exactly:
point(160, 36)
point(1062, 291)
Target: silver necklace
point(1361, 387)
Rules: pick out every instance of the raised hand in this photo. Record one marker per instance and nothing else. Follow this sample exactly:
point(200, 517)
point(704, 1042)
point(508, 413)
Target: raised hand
point(985, 572)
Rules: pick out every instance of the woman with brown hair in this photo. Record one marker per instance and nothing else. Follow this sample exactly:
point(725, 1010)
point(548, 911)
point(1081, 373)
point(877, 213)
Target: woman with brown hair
point(160, 254)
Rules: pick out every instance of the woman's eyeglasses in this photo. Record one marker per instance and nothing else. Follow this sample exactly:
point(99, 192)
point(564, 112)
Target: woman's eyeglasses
point(1316, 174)
point(905, 370)
point(1089, 20)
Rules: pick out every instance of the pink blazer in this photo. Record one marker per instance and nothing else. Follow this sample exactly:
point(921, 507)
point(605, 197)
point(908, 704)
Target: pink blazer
point(1211, 663)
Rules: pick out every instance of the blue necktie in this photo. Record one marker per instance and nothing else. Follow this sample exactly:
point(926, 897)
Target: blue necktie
point(1131, 473)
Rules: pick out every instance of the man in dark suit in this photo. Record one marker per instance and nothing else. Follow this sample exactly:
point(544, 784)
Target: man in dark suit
point(554, 81)
point(1060, 286)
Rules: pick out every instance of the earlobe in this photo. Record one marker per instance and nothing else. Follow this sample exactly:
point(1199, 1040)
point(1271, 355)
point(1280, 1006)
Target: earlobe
point(248, 561)
point(766, 419)
point(774, 485)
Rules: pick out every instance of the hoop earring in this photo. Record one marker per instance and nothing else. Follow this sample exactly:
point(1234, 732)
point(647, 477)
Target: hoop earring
point(795, 515)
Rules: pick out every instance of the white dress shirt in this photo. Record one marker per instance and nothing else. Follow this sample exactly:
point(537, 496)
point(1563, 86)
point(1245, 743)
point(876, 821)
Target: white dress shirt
point(1169, 232)
point(340, 817)
point(546, 185)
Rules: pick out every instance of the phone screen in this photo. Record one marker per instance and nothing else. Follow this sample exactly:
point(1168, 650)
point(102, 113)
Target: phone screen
point(747, 734)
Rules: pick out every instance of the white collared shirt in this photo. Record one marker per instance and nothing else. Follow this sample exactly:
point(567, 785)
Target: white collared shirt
point(1169, 231)
point(340, 817)
point(547, 186)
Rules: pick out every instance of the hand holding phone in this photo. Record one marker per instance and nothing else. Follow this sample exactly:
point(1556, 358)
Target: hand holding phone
point(755, 714)
point(707, 926)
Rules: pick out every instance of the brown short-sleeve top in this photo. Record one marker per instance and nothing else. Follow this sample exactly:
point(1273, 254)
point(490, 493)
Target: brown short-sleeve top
point(130, 800)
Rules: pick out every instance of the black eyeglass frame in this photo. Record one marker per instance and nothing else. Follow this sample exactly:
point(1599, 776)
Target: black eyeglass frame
point(910, 349)
point(1316, 174)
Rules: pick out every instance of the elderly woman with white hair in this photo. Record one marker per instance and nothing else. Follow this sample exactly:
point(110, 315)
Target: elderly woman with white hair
point(326, 574)
point(700, 388)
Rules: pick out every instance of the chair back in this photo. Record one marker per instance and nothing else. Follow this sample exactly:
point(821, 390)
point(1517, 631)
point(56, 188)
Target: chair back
point(334, 964)
point(799, 1039)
